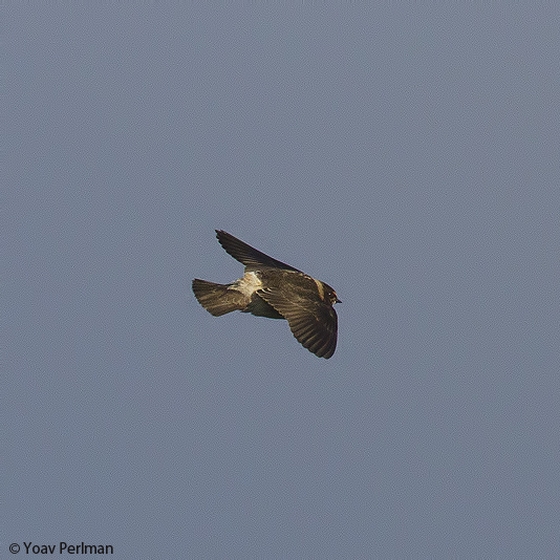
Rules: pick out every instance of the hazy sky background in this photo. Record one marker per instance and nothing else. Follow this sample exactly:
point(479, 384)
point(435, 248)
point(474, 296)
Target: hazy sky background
point(406, 154)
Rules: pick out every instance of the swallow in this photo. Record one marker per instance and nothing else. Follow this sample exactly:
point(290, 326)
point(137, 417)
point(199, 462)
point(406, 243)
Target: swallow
point(273, 289)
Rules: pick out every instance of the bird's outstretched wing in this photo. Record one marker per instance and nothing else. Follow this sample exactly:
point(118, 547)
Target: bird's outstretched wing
point(247, 255)
point(313, 323)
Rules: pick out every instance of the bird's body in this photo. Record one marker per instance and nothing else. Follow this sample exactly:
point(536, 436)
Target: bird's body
point(273, 289)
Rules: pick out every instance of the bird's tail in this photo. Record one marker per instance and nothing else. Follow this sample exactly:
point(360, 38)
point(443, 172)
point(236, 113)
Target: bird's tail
point(217, 299)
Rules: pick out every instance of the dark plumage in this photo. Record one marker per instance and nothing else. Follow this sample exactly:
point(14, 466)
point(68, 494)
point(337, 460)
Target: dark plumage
point(271, 288)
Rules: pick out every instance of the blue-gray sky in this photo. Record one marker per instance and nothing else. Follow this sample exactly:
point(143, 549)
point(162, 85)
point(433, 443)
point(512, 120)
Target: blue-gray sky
point(405, 154)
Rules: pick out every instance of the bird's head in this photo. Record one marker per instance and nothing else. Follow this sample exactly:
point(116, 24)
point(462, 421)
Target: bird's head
point(330, 295)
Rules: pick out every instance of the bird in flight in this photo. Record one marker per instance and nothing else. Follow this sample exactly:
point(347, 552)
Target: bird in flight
point(271, 288)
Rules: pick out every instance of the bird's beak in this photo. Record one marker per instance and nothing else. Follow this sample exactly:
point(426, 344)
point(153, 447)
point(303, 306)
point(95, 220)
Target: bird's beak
point(338, 301)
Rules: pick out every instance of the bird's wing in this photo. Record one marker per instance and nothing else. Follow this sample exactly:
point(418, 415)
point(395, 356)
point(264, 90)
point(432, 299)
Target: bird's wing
point(313, 322)
point(245, 254)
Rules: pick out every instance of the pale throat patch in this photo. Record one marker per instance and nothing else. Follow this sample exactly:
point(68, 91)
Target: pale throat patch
point(248, 284)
